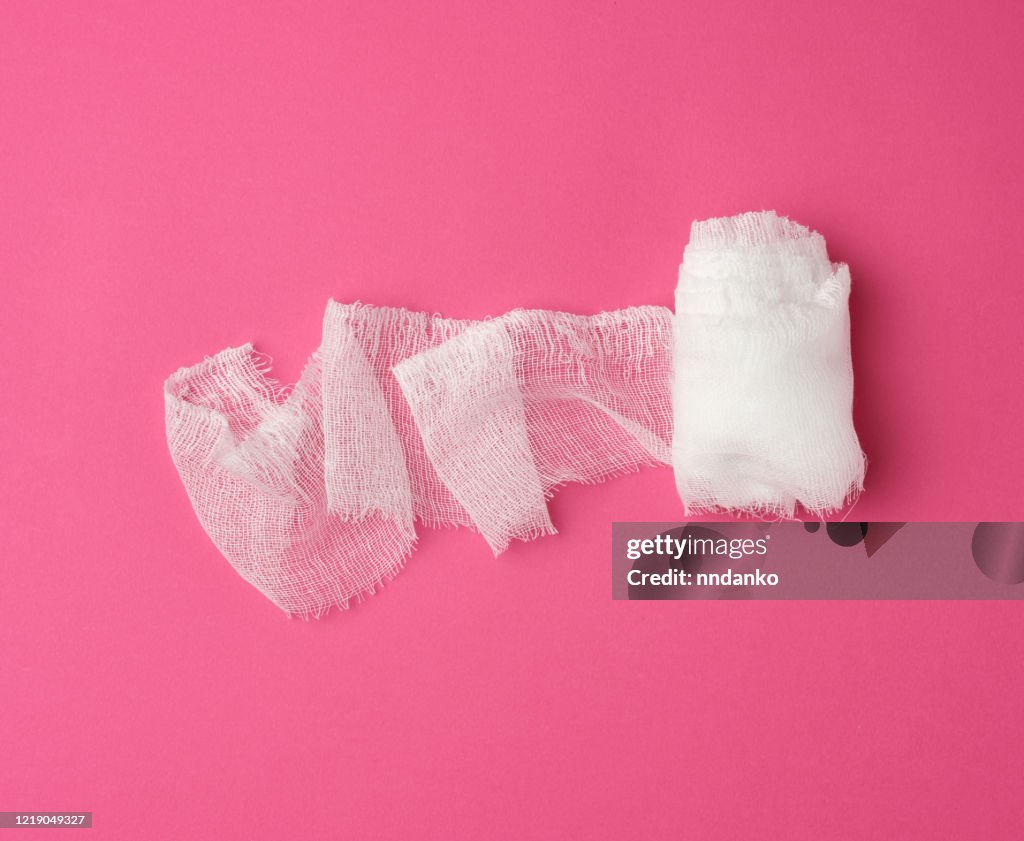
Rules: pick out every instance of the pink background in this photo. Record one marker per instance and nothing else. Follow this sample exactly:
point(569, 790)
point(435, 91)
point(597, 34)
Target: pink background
point(178, 179)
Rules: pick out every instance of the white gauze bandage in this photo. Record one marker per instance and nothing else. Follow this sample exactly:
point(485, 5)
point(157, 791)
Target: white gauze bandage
point(312, 492)
point(382, 337)
point(252, 458)
point(763, 382)
point(513, 407)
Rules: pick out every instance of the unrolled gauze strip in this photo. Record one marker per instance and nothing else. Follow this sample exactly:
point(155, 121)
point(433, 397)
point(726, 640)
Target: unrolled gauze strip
point(381, 337)
point(251, 457)
point(312, 493)
point(763, 382)
point(513, 407)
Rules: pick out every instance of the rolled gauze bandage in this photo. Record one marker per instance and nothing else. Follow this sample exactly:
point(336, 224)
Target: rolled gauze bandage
point(763, 382)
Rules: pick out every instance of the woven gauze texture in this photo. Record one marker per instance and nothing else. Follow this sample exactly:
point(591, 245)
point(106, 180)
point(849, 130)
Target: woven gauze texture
point(311, 493)
point(763, 380)
point(514, 407)
point(252, 460)
point(380, 338)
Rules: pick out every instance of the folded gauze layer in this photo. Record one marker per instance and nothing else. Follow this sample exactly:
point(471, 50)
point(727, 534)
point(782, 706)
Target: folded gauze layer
point(311, 492)
point(377, 339)
point(763, 381)
point(252, 458)
point(514, 407)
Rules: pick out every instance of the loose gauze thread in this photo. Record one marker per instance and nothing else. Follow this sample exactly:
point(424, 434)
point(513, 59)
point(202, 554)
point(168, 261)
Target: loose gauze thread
point(313, 492)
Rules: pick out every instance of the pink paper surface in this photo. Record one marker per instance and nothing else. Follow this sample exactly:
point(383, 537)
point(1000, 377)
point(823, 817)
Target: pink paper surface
point(178, 178)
